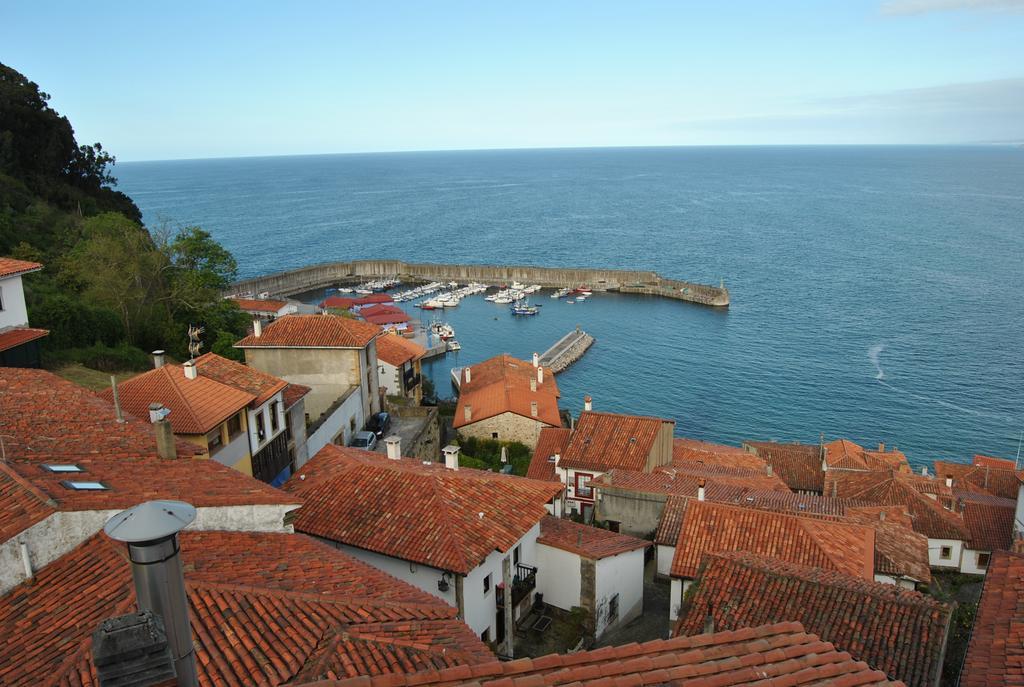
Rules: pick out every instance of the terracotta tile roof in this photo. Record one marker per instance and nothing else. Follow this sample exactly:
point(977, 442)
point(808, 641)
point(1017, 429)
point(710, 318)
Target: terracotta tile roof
point(843, 453)
point(990, 525)
point(293, 393)
point(603, 441)
point(710, 446)
point(781, 654)
point(993, 462)
point(313, 331)
point(889, 488)
point(681, 482)
point(197, 405)
point(899, 550)
point(21, 504)
point(339, 302)
point(978, 495)
point(995, 654)
point(685, 451)
point(716, 528)
point(585, 540)
point(423, 513)
point(20, 335)
point(240, 376)
point(260, 306)
point(46, 417)
point(799, 465)
point(998, 481)
point(900, 632)
point(398, 350)
point(265, 609)
point(789, 502)
point(552, 440)
point(671, 521)
point(502, 384)
point(10, 267)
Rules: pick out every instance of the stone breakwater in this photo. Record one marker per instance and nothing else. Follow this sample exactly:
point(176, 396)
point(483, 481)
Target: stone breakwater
point(567, 351)
point(626, 281)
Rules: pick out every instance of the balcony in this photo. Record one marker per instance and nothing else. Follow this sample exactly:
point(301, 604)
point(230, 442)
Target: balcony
point(524, 580)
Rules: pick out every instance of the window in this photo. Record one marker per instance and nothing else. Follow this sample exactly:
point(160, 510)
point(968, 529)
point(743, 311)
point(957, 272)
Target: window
point(946, 552)
point(613, 609)
point(50, 467)
point(274, 422)
point(214, 440)
point(487, 584)
point(1, 299)
point(515, 555)
point(494, 435)
point(261, 430)
point(234, 426)
point(84, 486)
point(583, 490)
point(983, 559)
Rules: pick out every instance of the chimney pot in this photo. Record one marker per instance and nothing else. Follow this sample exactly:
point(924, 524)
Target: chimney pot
point(394, 446)
point(700, 490)
point(132, 650)
point(588, 403)
point(533, 384)
point(536, 359)
point(190, 370)
point(881, 447)
point(257, 328)
point(159, 358)
point(540, 375)
point(165, 446)
point(924, 471)
point(533, 409)
point(451, 456)
point(469, 374)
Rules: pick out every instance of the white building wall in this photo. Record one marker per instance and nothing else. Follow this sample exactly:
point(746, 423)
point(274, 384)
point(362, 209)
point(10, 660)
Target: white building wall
point(568, 479)
point(60, 532)
point(424, 577)
point(898, 582)
point(269, 434)
point(1018, 517)
point(337, 427)
point(969, 562)
point(935, 558)
point(389, 377)
point(558, 577)
point(675, 598)
point(665, 554)
point(13, 312)
point(623, 575)
point(297, 421)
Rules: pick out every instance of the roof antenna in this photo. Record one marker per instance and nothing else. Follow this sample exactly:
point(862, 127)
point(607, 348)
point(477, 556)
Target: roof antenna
point(194, 344)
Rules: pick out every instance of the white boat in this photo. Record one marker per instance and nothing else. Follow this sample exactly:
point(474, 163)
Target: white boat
point(345, 290)
point(451, 302)
point(365, 292)
point(570, 301)
point(454, 345)
point(504, 300)
point(561, 293)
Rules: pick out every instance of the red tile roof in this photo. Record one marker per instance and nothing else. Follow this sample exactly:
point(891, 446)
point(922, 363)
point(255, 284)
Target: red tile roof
point(781, 654)
point(313, 331)
point(889, 488)
point(602, 441)
point(900, 632)
point(552, 440)
point(339, 302)
point(10, 267)
point(197, 405)
point(990, 525)
point(398, 350)
point(20, 335)
point(721, 486)
point(995, 654)
point(799, 465)
point(899, 550)
point(671, 521)
point(382, 318)
point(428, 514)
point(293, 393)
point(503, 384)
point(265, 609)
point(584, 540)
point(260, 306)
point(789, 502)
point(21, 504)
point(993, 462)
point(46, 417)
point(716, 528)
point(240, 376)
point(686, 451)
point(998, 481)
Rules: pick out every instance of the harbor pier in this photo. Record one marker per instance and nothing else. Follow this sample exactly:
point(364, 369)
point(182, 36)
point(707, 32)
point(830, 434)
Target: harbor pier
point(566, 351)
point(316, 277)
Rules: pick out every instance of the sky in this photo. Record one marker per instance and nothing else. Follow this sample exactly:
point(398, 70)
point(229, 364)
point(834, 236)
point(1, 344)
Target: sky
point(155, 81)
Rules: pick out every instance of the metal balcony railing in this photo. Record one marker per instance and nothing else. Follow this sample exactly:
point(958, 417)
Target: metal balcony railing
point(524, 581)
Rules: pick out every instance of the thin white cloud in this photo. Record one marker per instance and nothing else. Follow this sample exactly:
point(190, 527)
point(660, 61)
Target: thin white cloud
point(907, 7)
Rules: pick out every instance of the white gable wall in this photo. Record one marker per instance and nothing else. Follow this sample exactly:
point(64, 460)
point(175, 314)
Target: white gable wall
point(13, 312)
point(621, 575)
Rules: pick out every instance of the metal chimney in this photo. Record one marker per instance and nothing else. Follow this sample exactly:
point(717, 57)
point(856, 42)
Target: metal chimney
point(159, 358)
point(151, 532)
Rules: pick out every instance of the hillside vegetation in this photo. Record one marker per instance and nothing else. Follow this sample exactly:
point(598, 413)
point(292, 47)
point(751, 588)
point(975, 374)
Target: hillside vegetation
point(111, 289)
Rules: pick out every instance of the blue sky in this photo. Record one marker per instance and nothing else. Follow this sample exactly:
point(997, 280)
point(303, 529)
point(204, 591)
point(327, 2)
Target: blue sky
point(200, 79)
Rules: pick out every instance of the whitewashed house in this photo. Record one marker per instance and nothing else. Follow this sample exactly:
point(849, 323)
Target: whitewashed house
point(475, 546)
point(594, 569)
point(19, 343)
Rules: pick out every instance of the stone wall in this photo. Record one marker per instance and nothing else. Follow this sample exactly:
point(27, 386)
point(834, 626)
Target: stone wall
point(628, 281)
point(637, 513)
point(508, 427)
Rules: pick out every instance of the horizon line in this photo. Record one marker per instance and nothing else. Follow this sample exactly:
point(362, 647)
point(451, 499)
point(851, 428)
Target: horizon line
point(594, 147)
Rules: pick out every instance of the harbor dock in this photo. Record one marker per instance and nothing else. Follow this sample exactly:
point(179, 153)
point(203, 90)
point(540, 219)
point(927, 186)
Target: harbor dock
point(566, 351)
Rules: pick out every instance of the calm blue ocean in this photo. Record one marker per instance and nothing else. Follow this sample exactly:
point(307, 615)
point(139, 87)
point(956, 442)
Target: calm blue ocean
point(877, 292)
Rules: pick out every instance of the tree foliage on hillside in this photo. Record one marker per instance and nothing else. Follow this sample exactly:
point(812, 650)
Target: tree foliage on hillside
point(108, 281)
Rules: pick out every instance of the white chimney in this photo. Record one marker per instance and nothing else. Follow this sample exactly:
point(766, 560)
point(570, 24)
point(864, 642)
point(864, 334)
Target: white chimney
point(881, 447)
point(770, 471)
point(467, 412)
point(257, 328)
point(924, 471)
point(158, 359)
point(190, 370)
point(533, 384)
point(394, 447)
point(469, 376)
point(949, 480)
point(536, 359)
point(588, 403)
point(700, 490)
point(451, 456)
point(558, 457)
point(540, 375)
point(533, 409)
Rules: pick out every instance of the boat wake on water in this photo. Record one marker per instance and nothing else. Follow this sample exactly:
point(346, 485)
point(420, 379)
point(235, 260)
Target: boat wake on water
point(874, 355)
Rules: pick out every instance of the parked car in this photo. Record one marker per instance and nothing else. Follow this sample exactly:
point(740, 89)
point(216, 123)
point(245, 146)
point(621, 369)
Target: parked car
point(379, 424)
point(364, 440)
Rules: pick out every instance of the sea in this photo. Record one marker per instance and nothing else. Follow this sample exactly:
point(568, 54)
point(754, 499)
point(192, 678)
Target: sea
point(877, 292)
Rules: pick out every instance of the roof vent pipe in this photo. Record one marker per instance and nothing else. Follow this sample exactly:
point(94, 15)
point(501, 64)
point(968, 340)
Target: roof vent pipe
point(533, 409)
point(469, 375)
point(165, 447)
point(588, 403)
point(159, 358)
point(536, 359)
point(151, 532)
point(540, 375)
point(257, 327)
point(394, 446)
point(700, 490)
point(451, 456)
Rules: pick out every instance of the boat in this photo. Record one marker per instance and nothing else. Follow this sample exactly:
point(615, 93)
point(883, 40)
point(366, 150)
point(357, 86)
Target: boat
point(431, 304)
point(344, 289)
point(570, 301)
point(451, 302)
point(504, 300)
point(454, 345)
point(561, 293)
point(364, 292)
point(523, 307)
point(443, 331)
